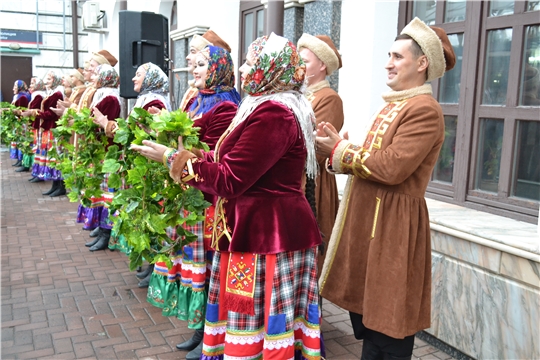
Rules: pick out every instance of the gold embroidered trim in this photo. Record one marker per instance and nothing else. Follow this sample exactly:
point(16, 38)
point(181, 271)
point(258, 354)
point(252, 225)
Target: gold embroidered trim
point(376, 216)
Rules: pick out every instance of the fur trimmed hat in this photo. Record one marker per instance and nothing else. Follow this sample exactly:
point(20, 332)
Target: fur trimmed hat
point(77, 73)
point(323, 47)
point(208, 38)
point(104, 57)
point(435, 44)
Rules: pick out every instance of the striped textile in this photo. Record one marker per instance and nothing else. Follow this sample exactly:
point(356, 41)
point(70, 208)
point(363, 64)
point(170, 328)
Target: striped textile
point(287, 313)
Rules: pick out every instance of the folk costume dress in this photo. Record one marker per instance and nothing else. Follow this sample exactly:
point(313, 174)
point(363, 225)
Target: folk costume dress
point(182, 290)
point(405, 136)
point(154, 93)
point(106, 99)
point(45, 121)
point(36, 97)
point(263, 298)
point(20, 99)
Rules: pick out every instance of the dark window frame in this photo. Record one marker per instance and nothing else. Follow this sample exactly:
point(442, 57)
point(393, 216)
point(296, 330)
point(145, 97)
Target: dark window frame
point(470, 111)
point(247, 7)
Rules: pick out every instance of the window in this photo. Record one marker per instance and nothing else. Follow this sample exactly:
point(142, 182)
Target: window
point(252, 25)
point(490, 159)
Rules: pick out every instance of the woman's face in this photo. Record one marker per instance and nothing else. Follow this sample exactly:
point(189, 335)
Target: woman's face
point(48, 80)
point(138, 79)
point(247, 66)
point(32, 84)
point(15, 89)
point(73, 80)
point(87, 74)
point(201, 71)
point(191, 59)
point(66, 82)
point(95, 77)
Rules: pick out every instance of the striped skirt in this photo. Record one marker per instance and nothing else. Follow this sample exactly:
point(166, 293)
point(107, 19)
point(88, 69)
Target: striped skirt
point(286, 324)
point(182, 290)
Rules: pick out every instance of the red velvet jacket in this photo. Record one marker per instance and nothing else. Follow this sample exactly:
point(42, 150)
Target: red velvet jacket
point(46, 114)
point(259, 173)
point(22, 102)
point(110, 107)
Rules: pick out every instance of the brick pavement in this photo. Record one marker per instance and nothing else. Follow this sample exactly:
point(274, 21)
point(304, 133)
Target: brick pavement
point(61, 301)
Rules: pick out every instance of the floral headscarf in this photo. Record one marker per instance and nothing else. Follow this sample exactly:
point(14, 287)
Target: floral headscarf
point(278, 74)
point(278, 67)
point(39, 85)
point(106, 84)
point(56, 80)
point(219, 81)
point(106, 77)
point(155, 80)
point(22, 90)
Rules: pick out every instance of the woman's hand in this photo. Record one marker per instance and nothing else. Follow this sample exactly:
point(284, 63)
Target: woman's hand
point(154, 110)
point(99, 118)
point(327, 138)
point(150, 150)
point(58, 111)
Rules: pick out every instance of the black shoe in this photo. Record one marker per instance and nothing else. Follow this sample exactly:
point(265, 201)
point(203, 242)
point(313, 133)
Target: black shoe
point(35, 180)
point(192, 343)
point(196, 353)
point(18, 163)
point(52, 189)
point(146, 271)
point(32, 178)
point(145, 282)
point(92, 242)
point(61, 190)
point(102, 241)
point(22, 169)
point(95, 232)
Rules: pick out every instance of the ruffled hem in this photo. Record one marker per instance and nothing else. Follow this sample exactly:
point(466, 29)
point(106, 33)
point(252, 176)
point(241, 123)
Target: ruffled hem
point(177, 300)
point(119, 243)
point(28, 160)
point(45, 172)
point(89, 217)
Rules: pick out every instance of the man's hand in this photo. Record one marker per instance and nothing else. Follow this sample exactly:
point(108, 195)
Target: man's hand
point(327, 138)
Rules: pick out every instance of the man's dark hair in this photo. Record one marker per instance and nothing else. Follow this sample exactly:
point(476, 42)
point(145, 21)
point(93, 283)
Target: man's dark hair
point(415, 48)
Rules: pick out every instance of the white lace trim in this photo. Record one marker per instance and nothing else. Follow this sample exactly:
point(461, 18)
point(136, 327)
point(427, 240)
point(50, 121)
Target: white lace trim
point(280, 343)
point(215, 330)
point(312, 333)
point(194, 269)
point(244, 339)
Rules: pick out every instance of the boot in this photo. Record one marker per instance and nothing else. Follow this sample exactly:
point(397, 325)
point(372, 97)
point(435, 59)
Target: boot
point(61, 190)
point(35, 180)
point(18, 163)
point(102, 240)
point(95, 239)
point(370, 351)
point(146, 281)
point(146, 272)
point(196, 353)
point(22, 169)
point(95, 232)
point(52, 189)
point(192, 343)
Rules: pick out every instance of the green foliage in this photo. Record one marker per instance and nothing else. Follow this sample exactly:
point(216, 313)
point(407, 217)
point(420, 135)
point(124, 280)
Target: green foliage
point(15, 128)
point(152, 201)
point(81, 165)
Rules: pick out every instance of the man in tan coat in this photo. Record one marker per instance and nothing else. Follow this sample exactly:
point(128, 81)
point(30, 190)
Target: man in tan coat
point(378, 265)
point(322, 59)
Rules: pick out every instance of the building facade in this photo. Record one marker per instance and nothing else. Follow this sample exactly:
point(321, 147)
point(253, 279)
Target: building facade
point(485, 190)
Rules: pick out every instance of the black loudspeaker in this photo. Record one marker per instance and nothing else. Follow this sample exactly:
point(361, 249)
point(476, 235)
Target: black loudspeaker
point(144, 37)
